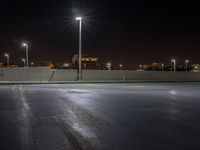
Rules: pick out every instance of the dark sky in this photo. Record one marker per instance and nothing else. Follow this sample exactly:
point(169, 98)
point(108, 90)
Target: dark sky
point(131, 32)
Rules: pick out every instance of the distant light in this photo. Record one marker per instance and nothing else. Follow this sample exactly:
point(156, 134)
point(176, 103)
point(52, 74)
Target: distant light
point(66, 65)
point(6, 55)
point(79, 18)
point(120, 65)
point(23, 60)
point(173, 60)
point(24, 44)
point(108, 64)
point(93, 59)
point(187, 61)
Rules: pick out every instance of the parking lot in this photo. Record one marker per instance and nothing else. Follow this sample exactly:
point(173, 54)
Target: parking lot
point(121, 116)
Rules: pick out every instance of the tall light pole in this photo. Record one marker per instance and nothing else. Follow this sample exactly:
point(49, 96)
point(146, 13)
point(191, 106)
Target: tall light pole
point(24, 62)
point(162, 65)
point(8, 59)
point(120, 66)
point(80, 57)
point(174, 61)
point(108, 65)
point(186, 64)
point(32, 63)
point(26, 46)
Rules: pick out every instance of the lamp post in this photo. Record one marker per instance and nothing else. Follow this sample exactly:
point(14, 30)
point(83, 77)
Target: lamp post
point(24, 62)
point(32, 63)
point(186, 64)
point(108, 65)
point(120, 66)
point(174, 61)
point(162, 65)
point(26, 46)
point(80, 57)
point(8, 59)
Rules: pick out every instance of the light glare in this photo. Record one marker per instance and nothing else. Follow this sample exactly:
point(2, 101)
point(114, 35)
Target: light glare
point(24, 44)
point(79, 18)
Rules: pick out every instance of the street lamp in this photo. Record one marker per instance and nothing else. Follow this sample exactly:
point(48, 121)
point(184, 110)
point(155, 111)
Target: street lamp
point(8, 59)
point(26, 46)
point(120, 66)
point(32, 63)
point(186, 64)
point(108, 65)
point(24, 61)
point(162, 65)
point(80, 27)
point(174, 61)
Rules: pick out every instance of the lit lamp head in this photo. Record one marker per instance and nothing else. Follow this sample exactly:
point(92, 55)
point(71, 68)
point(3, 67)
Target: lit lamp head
point(24, 44)
point(6, 55)
point(78, 18)
point(66, 65)
point(120, 65)
point(108, 64)
point(187, 61)
point(173, 60)
point(23, 59)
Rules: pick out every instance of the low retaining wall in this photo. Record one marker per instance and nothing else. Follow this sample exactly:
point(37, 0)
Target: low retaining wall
point(51, 75)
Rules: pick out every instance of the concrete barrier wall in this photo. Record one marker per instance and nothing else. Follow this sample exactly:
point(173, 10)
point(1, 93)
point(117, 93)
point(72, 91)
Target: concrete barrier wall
point(36, 74)
point(51, 75)
point(64, 75)
point(162, 76)
point(24, 74)
point(90, 75)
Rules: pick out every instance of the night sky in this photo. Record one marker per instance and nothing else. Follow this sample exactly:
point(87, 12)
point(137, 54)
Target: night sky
point(131, 32)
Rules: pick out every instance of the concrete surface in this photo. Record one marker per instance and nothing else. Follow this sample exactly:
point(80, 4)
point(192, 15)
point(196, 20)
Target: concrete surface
point(159, 116)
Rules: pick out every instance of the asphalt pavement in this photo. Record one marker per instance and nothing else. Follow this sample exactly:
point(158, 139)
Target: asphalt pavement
point(120, 116)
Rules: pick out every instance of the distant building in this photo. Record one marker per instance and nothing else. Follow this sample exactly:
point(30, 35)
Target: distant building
point(1, 65)
point(195, 67)
point(48, 64)
point(88, 62)
point(12, 65)
point(152, 67)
